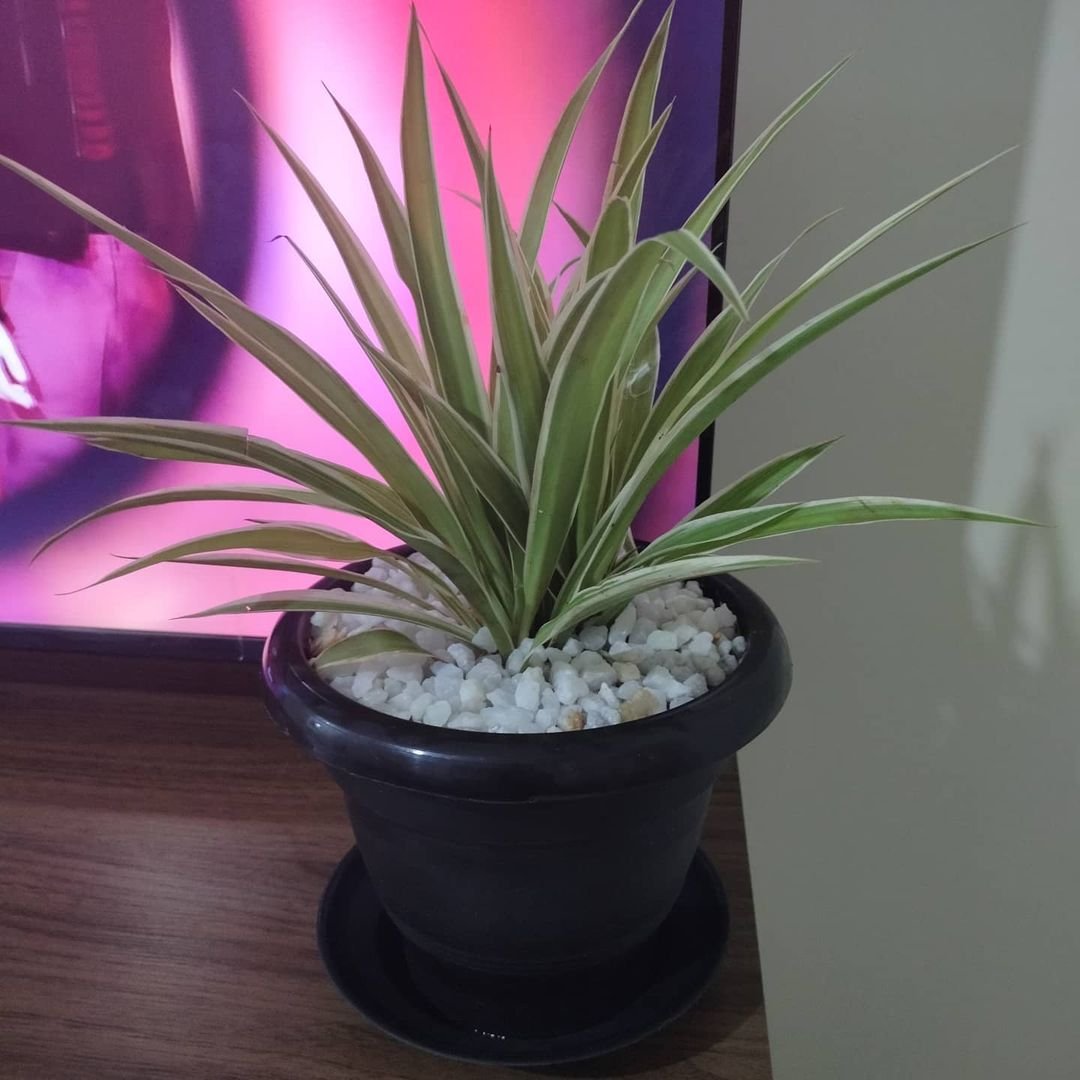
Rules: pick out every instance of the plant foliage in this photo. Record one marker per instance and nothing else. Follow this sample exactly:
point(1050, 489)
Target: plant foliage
point(534, 479)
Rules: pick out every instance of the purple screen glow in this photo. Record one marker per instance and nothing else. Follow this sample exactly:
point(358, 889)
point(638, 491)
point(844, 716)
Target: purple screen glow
point(131, 105)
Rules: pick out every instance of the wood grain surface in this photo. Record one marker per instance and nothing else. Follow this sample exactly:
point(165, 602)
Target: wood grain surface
point(162, 855)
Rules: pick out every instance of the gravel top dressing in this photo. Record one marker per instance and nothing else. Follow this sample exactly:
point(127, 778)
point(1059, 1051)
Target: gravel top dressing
point(666, 647)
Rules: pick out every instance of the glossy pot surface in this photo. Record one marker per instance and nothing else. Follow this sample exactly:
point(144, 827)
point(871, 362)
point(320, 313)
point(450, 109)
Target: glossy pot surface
point(529, 856)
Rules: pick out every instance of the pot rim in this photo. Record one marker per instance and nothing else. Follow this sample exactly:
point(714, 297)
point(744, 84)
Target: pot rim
point(502, 766)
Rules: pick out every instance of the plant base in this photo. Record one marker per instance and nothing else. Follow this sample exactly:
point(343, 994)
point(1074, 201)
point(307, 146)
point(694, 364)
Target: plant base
point(499, 1019)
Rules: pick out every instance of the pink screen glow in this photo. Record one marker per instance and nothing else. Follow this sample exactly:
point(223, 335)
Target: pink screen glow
point(515, 66)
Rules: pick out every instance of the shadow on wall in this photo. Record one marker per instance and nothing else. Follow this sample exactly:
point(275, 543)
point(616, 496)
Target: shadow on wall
point(913, 814)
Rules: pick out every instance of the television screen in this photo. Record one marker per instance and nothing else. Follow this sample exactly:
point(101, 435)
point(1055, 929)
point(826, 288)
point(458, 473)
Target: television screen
point(137, 108)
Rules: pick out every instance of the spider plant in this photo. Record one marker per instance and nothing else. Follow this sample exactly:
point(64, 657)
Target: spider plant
point(534, 477)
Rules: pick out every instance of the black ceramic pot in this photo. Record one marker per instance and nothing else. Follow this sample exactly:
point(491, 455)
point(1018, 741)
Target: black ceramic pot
point(528, 860)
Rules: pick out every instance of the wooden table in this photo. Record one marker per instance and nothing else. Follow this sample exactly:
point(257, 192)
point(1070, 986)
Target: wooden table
point(162, 855)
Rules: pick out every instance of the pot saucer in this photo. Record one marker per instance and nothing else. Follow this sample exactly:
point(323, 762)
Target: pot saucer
point(378, 973)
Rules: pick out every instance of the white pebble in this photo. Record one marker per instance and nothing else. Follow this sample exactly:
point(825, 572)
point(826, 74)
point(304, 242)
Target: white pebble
point(670, 645)
point(607, 695)
point(547, 718)
point(623, 624)
point(502, 697)
point(438, 714)
point(571, 718)
point(597, 677)
point(629, 654)
point(527, 692)
point(419, 706)
point(625, 672)
point(643, 703)
point(569, 687)
point(659, 640)
point(471, 695)
point(715, 675)
point(696, 685)
point(462, 655)
point(467, 722)
point(702, 644)
point(362, 682)
point(508, 719)
point(586, 660)
point(406, 673)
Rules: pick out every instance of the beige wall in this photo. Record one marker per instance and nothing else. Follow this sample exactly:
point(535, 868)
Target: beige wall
point(914, 814)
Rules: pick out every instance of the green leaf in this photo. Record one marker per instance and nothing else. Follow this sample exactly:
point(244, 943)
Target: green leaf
point(633, 406)
point(387, 201)
point(620, 589)
point(393, 375)
point(188, 440)
point(698, 255)
point(183, 440)
point(760, 482)
point(460, 446)
point(760, 330)
point(636, 123)
point(505, 434)
point(679, 390)
point(458, 454)
point(357, 648)
point(551, 165)
point(630, 181)
point(289, 359)
point(543, 311)
point(612, 239)
point(573, 405)
point(331, 600)
point(297, 566)
point(566, 322)
point(862, 510)
point(370, 285)
point(228, 492)
point(576, 227)
point(450, 347)
point(709, 207)
point(706, 536)
point(491, 476)
point(315, 382)
point(469, 135)
point(568, 265)
point(710, 404)
point(703, 534)
point(286, 538)
point(516, 346)
point(594, 479)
